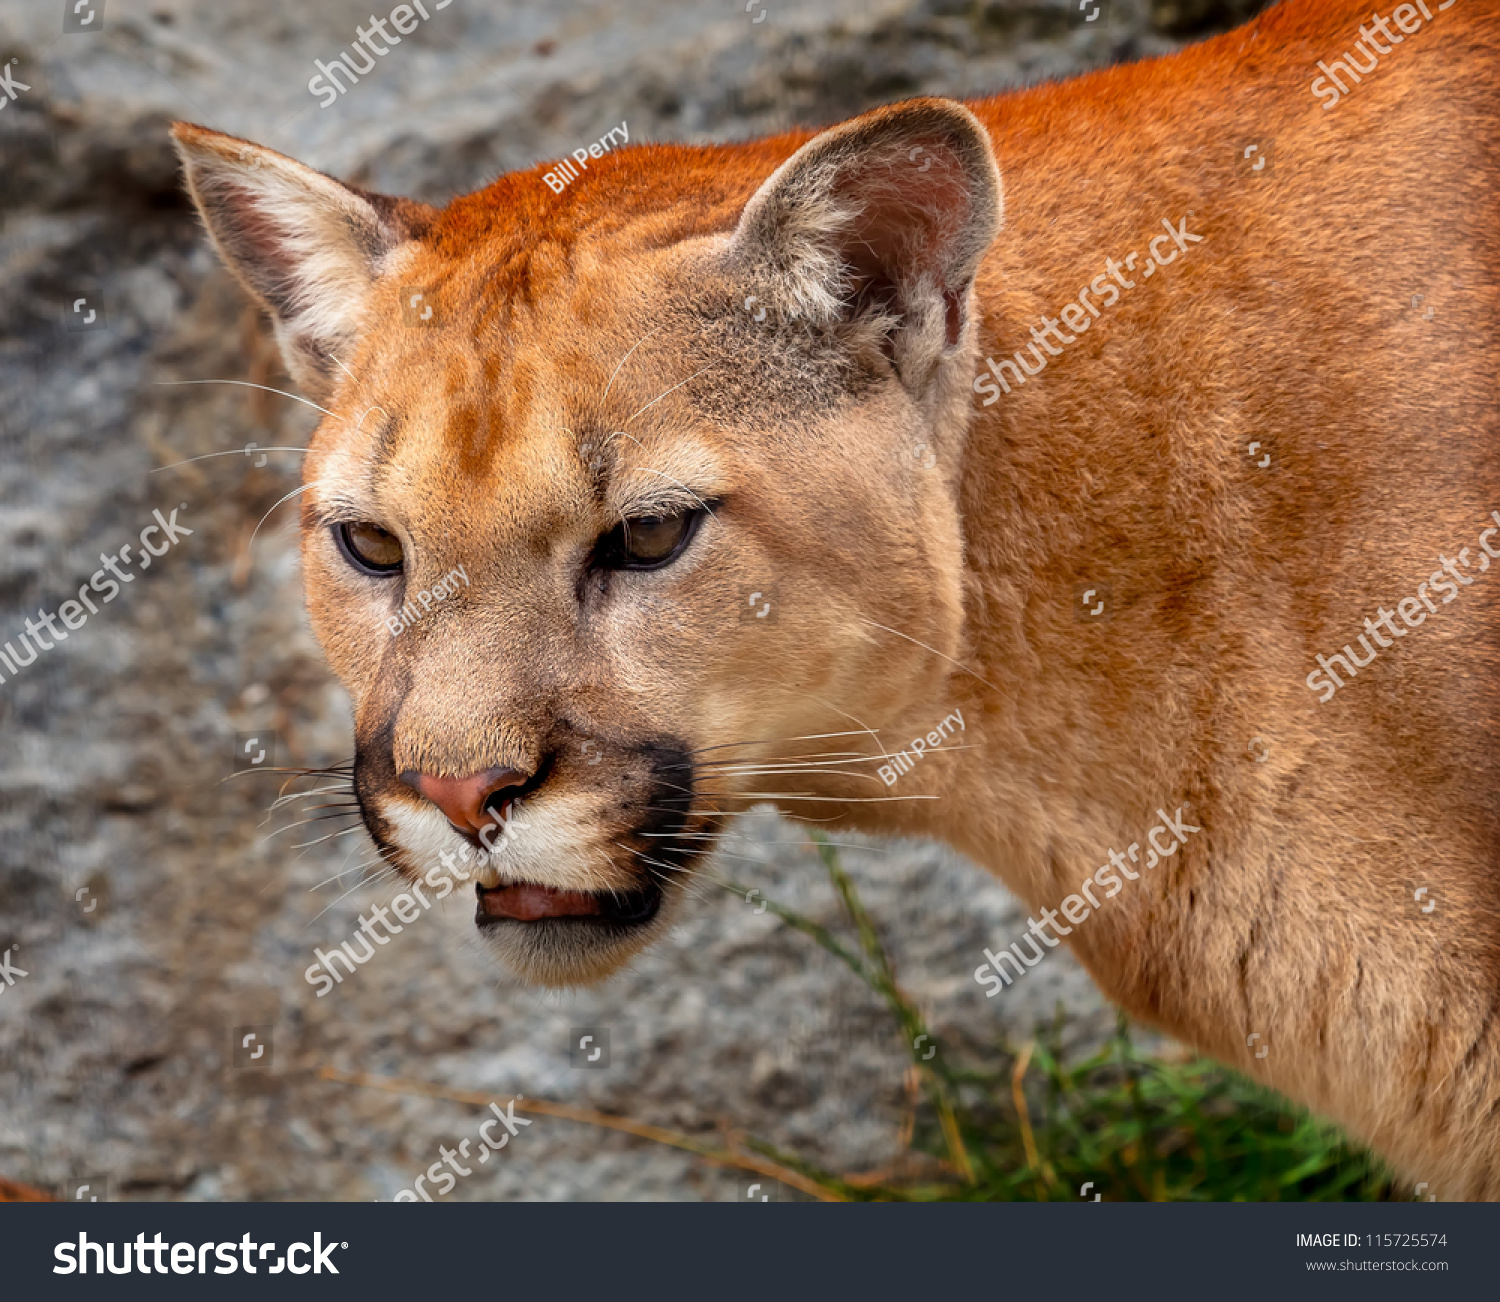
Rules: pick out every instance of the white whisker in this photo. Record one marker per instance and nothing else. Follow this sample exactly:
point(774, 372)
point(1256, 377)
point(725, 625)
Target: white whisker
point(368, 410)
point(934, 650)
point(305, 845)
point(233, 452)
point(302, 795)
point(829, 800)
point(625, 359)
point(247, 385)
point(673, 389)
point(315, 484)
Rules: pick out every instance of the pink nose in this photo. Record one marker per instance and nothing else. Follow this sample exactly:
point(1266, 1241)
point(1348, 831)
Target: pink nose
point(473, 803)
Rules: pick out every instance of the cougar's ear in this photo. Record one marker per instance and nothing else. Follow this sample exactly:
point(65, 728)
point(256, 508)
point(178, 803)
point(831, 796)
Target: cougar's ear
point(307, 246)
point(882, 220)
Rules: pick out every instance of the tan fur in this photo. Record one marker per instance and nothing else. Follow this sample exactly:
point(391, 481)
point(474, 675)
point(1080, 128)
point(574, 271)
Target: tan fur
point(594, 358)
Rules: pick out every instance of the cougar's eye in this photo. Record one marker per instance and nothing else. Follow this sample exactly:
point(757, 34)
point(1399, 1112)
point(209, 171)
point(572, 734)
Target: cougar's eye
point(368, 547)
point(647, 542)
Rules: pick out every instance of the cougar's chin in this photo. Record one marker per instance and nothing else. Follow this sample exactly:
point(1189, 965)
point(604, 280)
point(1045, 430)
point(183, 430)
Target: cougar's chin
point(576, 938)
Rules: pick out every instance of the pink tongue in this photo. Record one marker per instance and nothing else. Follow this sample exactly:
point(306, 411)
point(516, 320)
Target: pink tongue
point(527, 903)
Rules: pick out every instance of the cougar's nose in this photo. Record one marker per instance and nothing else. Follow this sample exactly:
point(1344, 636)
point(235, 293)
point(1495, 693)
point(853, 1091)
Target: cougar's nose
point(472, 803)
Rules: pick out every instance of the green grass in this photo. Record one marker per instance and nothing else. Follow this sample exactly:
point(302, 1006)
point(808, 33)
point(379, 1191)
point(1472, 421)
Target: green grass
point(1028, 1125)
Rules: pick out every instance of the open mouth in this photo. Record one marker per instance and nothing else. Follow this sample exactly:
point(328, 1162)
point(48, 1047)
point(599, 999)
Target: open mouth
point(527, 902)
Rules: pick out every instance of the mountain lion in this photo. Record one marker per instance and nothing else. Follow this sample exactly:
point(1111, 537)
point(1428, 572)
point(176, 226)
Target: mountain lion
point(1169, 476)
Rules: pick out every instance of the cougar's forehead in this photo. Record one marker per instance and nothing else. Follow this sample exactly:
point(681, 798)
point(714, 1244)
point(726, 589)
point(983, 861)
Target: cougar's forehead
point(524, 366)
